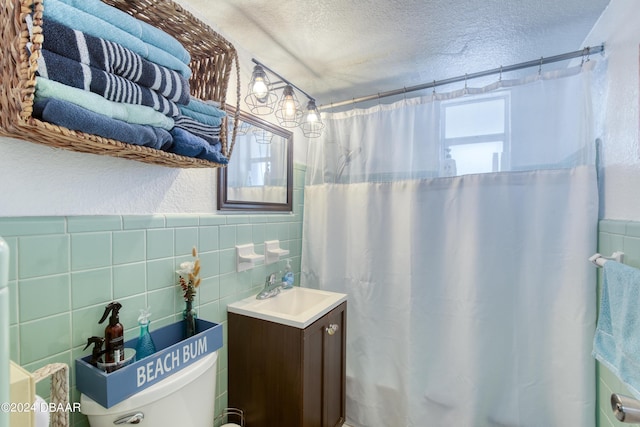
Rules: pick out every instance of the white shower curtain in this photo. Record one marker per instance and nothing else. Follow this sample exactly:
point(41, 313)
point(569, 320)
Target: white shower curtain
point(470, 299)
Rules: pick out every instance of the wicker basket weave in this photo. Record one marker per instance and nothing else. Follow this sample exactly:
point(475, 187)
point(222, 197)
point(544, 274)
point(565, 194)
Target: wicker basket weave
point(212, 59)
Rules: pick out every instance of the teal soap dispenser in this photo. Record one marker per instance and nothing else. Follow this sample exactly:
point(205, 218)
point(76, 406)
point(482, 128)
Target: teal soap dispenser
point(287, 278)
point(145, 346)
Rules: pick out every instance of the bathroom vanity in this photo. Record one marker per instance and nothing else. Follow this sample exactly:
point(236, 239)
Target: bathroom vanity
point(284, 375)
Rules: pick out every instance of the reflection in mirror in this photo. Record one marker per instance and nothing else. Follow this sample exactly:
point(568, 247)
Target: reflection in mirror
point(260, 172)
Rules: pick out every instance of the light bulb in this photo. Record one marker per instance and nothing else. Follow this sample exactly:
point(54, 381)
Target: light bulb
point(260, 89)
point(312, 117)
point(289, 107)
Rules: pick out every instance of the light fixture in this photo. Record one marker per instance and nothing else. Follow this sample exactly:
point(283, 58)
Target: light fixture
point(288, 112)
point(262, 136)
point(311, 123)
point(262, 100)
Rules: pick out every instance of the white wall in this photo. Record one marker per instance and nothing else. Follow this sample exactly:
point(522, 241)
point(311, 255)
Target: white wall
point(617, 117)
point(36, 180)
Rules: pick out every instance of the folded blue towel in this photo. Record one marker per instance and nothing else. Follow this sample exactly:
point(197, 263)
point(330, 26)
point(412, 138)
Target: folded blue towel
point(211, 134)
point(71, 116)
point(110, 86)
point(617, 339)
point(114, 58)
point(186, 144)
point(89, 24)
point(147, 33)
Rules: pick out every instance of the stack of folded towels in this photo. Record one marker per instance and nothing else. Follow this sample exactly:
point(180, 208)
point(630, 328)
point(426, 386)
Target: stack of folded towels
point(104, 72)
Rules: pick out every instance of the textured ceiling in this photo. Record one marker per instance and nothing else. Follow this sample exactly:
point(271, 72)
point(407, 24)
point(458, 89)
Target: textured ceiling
point(342, 49)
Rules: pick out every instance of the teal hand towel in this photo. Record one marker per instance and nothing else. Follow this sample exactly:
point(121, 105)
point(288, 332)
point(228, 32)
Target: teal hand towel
point(617, 339)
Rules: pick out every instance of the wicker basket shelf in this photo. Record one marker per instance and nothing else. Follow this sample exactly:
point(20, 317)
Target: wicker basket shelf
point(212, 60)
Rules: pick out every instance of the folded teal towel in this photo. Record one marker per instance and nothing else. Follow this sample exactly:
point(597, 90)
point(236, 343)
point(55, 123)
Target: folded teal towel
point(145, 32)
point(617, 339)
point(136, 114)
point(208, 107)
point(94, 26)
point(202, 118)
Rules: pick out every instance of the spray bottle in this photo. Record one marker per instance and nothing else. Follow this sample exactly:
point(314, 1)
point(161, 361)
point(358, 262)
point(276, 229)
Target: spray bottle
point(145, 346)
point(97, 351)
point(113, 334)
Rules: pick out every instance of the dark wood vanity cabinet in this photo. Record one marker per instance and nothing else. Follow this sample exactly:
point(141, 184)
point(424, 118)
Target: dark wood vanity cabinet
point(282, 376)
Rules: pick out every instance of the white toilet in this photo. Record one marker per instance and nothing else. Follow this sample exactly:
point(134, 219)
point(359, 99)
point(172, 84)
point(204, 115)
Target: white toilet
point(186, 398)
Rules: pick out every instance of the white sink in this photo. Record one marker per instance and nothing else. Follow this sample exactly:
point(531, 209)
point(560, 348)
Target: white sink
point(297, 307)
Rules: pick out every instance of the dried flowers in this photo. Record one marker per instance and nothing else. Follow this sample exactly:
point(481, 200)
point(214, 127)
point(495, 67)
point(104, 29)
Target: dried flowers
point(190, 276)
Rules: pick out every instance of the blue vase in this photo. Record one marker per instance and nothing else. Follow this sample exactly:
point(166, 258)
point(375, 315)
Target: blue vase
point(145, 346)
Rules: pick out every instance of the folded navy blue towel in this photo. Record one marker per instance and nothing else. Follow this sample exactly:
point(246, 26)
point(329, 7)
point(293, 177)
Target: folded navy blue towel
point(110, 86)
point(211, 134)
point(186, 144)
point(71, 116)
point(114, 58)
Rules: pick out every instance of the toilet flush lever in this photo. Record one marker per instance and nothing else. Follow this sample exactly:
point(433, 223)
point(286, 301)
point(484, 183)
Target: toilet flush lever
point(130, 419)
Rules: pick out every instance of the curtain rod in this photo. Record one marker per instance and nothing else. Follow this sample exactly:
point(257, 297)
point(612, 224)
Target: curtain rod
point(536, 62)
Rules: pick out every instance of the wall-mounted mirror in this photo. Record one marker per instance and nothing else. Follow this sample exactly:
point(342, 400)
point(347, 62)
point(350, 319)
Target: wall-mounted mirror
point(259, 175)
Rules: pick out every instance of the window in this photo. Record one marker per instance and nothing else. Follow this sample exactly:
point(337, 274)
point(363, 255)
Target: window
point(475, 135)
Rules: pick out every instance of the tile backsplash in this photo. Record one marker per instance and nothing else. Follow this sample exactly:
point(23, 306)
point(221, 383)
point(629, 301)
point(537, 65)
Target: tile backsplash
point(64, 270)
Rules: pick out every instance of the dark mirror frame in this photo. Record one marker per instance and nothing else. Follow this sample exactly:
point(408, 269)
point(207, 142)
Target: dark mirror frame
point(224, 204)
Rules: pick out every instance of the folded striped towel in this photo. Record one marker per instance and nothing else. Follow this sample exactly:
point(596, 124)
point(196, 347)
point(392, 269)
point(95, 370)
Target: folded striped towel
point(211, 134)
point(92, 25)
point(74, 117)
point(130, 113)
point(112, 87)
point(114, 58)
point(145, 32)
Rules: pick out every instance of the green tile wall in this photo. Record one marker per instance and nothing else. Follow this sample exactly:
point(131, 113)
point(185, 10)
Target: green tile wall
point(615, 236)
point(64, 270)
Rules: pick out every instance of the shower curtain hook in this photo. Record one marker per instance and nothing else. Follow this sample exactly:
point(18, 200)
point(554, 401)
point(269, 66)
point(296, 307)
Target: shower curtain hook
point(434, 87)
point(585, 55)
point(500, 77)
point(465, 82)
point(540, 66)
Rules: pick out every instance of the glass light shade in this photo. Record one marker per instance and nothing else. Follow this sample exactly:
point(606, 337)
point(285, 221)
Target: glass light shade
point(311, 122)
point(288, 112)
point(260, 99)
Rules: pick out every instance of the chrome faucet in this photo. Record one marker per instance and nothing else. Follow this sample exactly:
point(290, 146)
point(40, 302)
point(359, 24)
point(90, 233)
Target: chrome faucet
point(271, 287)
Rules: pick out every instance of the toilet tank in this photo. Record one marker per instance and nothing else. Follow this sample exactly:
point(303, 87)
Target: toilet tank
point(186, 398)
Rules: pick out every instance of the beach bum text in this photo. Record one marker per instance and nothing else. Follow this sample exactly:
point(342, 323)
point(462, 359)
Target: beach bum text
point(19, 407)
point(163, 364)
